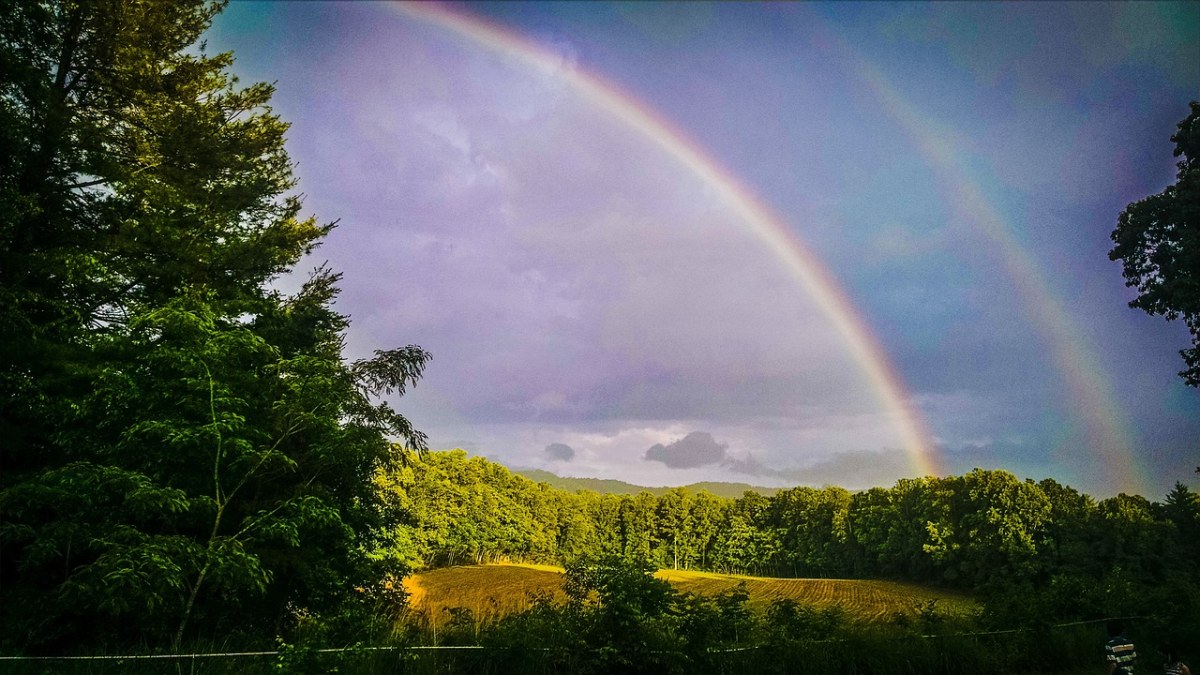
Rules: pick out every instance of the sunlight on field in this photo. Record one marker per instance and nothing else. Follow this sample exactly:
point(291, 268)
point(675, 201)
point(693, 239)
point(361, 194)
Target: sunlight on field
point(866, 600)
point(491, 591)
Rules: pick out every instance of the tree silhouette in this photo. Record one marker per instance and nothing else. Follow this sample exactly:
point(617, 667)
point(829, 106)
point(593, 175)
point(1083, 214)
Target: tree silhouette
point(1158, 241)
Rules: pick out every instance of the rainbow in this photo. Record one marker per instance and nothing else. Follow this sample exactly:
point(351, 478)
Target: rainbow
point(1106, 427)
point(800, 263)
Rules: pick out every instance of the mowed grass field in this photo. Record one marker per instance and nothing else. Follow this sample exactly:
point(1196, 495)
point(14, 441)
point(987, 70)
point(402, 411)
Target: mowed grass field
point(491, 591)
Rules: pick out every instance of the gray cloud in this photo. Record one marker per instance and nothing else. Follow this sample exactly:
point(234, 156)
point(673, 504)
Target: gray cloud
point(854, 470)
point(696, 449)
point(560, 451)
point(750, 466)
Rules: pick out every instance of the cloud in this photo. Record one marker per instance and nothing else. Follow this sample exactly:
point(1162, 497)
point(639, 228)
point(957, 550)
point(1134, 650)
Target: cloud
point(855, 470)
point(750, 466)
point(560, 451)
point(696, 449)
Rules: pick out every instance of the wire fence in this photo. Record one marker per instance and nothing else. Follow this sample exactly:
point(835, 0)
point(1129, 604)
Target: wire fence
point(454, 648)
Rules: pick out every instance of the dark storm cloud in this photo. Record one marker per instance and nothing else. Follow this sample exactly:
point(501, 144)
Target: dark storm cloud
point(696, 449)
point(560, 451)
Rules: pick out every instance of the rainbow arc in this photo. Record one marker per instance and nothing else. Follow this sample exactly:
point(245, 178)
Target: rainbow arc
point(1105, 425)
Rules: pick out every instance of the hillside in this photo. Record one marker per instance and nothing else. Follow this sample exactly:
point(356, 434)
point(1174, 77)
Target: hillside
point(617, 487)
point(497, 590)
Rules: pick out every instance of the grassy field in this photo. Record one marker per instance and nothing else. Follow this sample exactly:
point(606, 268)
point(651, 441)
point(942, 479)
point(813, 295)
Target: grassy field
point(863, 600)
point(496, 590)
point(489, 591)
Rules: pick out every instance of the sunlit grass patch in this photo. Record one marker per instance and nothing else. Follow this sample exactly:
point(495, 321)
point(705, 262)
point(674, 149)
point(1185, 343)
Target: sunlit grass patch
point(862, 599)
point(488, 591)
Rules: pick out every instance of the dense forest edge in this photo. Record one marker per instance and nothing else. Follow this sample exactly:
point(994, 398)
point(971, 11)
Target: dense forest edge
point(1032, 551)
point(189, 463)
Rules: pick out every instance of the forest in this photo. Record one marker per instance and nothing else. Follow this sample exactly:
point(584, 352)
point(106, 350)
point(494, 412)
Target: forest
point(189, 463)
point(1033, 550)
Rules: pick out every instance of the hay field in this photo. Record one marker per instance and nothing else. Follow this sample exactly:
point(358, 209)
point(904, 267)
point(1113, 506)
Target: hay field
point(490, 591)
point(863, 599)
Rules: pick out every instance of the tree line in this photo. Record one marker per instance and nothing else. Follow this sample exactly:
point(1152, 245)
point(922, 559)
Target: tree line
point(986, 531)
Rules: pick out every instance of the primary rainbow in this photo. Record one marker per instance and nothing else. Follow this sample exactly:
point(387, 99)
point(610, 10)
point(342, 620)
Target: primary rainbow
point(768, 226)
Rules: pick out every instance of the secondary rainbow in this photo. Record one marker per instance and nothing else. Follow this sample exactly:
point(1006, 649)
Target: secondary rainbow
point(769, 227)
point(1106, 427)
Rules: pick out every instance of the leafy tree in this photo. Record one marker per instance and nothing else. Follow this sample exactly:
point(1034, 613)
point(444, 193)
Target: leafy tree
point(812, 529)
point(637, 523)
point(183, 448)
point(747, 543)
point(1182, 508)
point(1067, 546)
point(1131, 539)
point(576, 535)
point(707, 514)
point(1158, 241)
point(1000, 522)
point(620, 606)
point(902, 531)
point(673, 527)
point(606, 514)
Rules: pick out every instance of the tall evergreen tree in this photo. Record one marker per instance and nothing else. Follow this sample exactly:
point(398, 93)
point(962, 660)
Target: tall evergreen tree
point(181, 447)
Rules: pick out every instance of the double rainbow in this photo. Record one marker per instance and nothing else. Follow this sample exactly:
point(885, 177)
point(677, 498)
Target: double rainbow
point(1106, 428)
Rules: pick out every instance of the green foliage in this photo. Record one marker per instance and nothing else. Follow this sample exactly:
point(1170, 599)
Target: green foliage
point(1157, 240)
point(185, 451)
point(448, 509)
point(812, 527)
point(969, 531)
point(620, 609)
point(1034, 553)
point(788, 623)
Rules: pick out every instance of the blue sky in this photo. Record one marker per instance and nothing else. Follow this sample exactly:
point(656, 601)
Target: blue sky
point(577, 287)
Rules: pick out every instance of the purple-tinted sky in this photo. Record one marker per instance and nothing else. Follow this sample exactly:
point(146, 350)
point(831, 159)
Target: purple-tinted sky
point(596, 309)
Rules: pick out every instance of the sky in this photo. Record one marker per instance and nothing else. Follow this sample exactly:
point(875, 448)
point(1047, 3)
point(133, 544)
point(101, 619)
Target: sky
point(783, 243)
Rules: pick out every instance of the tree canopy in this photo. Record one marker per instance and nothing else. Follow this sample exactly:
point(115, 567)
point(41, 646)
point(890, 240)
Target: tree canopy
point(183, 447)
point(1158, 243)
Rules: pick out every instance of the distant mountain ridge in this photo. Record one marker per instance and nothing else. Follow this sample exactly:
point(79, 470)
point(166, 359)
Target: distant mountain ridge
point(620, 487)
